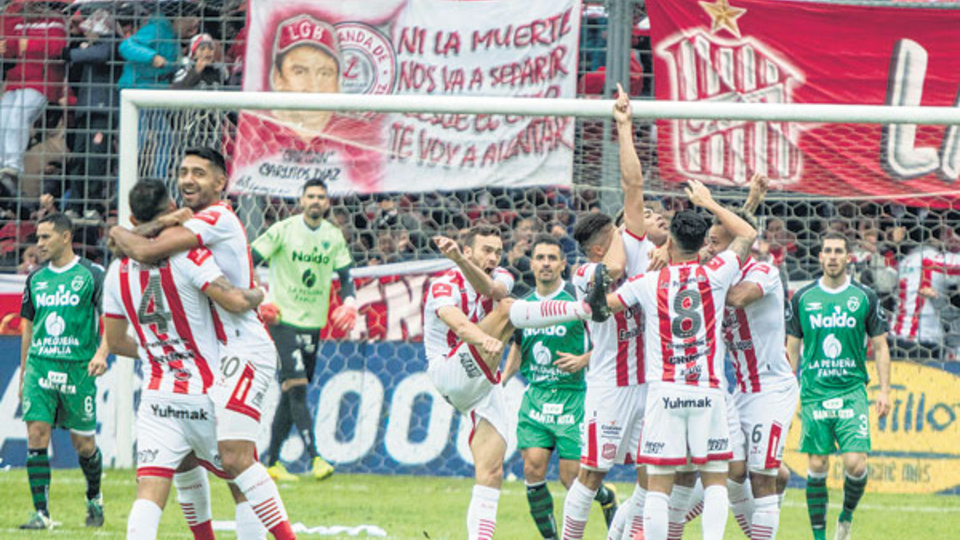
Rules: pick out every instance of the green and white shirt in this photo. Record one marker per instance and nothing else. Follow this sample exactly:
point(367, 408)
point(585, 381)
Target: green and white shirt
point(539, 347)
point(64, 306)
point(302, 261)
point(834, 325)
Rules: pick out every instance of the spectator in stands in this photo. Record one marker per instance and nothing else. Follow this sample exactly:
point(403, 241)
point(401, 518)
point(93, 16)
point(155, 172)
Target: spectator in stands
point(94, 74)
point(203, 69)
point(782, 241)
point(33, 43)
point(30, 260)
point(518, 255)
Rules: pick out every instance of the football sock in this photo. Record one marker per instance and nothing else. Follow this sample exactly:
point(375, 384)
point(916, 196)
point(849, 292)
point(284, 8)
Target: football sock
point(766, 518)
point(482, 514)
point(92, 468)
point(604, 496)
point(38, 474)
point(817, 504)
point(248, 524)
point(696, 501)
point(301, 417)
point(780, 497)
point(656, 516)
point(576, 510)
point(680, 502)
point(634, 522)
point(619, 520)
point(852, 491)
point(144, 520)
point(193, 494)
point(741, 504)
point(261, 492)
point(279, 429)
point(541, 508)
point(524, 314)
point(715, 504)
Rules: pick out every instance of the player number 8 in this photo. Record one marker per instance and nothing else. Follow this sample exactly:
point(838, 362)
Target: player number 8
point(687, 306)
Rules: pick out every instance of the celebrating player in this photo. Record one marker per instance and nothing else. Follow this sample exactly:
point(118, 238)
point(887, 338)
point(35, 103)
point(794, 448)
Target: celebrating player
point(685, 424)
point(833, 317)
point(467, 319)
point(303, 252)
point(248, 355)
point(59, 362)
point(614, 401)
point(552, 360)
point(166, 306)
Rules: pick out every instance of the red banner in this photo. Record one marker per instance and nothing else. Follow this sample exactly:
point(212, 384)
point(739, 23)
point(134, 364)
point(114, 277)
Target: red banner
point(803, 52)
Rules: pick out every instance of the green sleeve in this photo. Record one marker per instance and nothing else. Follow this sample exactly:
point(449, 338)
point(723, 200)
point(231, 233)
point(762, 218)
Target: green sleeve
point(98, 274)
point(792, 316)
point(876, 323)
point(27, 310)
point(268, 243)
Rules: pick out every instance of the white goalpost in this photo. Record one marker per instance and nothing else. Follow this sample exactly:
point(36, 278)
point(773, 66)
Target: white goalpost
point(135, 101)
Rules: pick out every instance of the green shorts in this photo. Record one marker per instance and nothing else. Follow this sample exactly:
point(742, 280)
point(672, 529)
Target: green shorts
point(843, 422)
point(60, 393)
point(551, 418)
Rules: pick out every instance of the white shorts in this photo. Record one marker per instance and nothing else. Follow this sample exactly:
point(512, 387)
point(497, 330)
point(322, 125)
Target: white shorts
point(738, 442)
point(240, 388)
point(684, 422)
point(765, 419)
point(493, 409)
point(612, 425)
point(462, 377)
point(169, 428)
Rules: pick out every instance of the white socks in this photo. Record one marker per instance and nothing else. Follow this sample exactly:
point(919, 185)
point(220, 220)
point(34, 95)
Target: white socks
point(766, 518)
point(681, 499)
point(629, 519)
point(524, 314)
point(655, 516)
point(193, 494)
point(248, 524)
point(696, 502)
point(144, 520)
point(741, 504)
point(261, 492)
point(482, 514)
point(715, 504)
point(576, 510)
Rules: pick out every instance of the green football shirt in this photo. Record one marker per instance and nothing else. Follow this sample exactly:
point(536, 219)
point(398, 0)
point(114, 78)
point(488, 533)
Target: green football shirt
point(834, 325)
point(539, 348)
point(64, 306)
point(302, 261)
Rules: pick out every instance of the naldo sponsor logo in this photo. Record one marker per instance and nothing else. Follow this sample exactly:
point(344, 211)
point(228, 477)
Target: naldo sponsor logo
point(838, 319)
point(61, 298)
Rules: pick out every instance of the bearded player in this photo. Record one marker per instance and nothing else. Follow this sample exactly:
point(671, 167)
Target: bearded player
point(467, 320)
point(167, 306)
point(248, 355)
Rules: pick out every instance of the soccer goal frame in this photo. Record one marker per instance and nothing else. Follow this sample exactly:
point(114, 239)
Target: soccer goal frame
point(133, 101)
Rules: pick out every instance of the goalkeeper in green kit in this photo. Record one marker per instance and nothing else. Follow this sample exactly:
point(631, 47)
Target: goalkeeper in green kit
point(834, 318)
point(60, 359)
point(552, 359)
point(303, 252)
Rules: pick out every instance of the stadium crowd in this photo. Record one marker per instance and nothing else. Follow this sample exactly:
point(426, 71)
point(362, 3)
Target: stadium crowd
point(64, 63)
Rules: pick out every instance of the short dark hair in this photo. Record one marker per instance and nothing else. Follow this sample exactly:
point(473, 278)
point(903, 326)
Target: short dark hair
point(148, 198)
point(61, 222)
point(480, 230)
point(588, 226)
point(548, 240)
point(688, 229)
point(833, 235)
point(314, 182)
point(204, 152)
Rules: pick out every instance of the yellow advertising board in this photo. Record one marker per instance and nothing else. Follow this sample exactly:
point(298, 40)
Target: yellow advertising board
point(916, 449)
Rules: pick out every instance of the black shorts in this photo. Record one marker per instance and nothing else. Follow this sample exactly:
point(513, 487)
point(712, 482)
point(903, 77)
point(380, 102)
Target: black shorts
point(298, 351)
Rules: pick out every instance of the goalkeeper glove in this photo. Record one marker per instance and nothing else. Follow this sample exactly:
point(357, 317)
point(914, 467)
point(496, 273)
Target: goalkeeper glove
point(345, 316)
point(270, 313)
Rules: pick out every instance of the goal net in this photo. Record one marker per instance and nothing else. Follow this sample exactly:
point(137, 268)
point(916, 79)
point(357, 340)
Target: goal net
point(402, 169)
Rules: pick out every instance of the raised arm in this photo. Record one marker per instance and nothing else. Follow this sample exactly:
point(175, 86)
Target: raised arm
point(616, 257)
point(742, 231)
point(631, 172)
point(467, 331)
point(481, 282)
point(149, 251)
point(233, 299)
point(759, 185)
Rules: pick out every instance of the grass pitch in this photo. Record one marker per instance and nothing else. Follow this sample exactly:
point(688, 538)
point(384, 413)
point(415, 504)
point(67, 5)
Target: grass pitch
point(407, 507)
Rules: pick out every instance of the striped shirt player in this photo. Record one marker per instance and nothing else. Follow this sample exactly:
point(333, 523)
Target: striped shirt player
point(682, 306)
point(615, 398)
point(173, 324)
point(917, 319)
point(456, 368)
point(766, 390)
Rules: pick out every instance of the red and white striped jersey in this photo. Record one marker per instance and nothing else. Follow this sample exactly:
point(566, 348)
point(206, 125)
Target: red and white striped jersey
point(755, 336)
point(917, 318)
point(682, 306)
point(452, 289)
point(617, 357)
point(220, 230)
point(165, 305)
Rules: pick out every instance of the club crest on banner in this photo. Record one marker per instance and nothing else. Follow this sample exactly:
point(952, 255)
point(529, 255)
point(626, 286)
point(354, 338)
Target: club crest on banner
point(705, 66)
point(369, 60)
